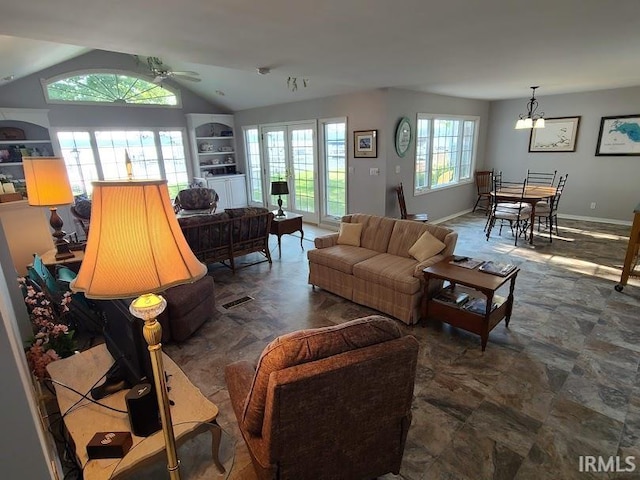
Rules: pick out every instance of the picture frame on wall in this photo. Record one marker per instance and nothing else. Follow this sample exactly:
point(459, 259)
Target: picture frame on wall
point(559, 134)
point(365, 144)
point(619, 135)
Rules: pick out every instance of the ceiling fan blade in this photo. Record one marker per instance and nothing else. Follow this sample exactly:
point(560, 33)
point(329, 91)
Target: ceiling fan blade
point(188, 77)
point(192, 74)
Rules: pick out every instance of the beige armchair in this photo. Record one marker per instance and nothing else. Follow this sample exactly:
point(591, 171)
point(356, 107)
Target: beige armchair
point(328, 403)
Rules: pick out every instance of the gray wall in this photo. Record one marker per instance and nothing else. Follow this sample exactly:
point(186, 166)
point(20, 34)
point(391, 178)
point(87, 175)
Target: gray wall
point(364, 111)
point(381, 110)
point(28, 93)
point(21, 450)
point(612, 182)
point(438, 203)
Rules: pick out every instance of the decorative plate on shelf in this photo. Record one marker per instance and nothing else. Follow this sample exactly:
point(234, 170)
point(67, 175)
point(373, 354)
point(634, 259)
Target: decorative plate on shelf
point(11, 133)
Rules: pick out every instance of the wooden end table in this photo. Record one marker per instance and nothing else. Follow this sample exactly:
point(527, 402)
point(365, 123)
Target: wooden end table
point(290, 223)
point(84, 418)
point(477, 282)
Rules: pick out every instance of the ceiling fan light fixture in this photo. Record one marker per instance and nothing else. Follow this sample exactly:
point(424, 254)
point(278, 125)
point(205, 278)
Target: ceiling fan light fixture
point(263, 70)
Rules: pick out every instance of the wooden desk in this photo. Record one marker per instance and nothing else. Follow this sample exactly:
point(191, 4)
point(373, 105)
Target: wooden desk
point(484, 283)
point(81, 371)
point(290, 223)
point(631, 258)
point(532, 195)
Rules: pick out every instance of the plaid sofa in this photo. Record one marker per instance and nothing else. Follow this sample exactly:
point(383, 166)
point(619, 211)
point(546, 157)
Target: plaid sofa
point(379, 273)
point(222, 237)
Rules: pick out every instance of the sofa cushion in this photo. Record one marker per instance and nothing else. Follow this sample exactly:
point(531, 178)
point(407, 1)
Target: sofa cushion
point(340, 257)
point(306, 346)
point(390, 271)
point(426, 247)
point(376, 231)
point(349, 234)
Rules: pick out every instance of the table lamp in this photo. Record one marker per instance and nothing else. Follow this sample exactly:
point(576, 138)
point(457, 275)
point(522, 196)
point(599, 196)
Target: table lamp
point(279, 188)
point(136, 247)
point(48, 186)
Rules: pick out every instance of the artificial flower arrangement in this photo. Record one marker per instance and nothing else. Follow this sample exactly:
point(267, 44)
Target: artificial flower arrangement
point(52, 339)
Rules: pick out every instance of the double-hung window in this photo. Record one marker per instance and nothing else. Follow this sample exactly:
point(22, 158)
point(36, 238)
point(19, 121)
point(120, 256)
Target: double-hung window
point(445, 150)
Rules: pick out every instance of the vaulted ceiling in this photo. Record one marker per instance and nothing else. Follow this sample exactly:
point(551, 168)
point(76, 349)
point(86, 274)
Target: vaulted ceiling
point(489, 49)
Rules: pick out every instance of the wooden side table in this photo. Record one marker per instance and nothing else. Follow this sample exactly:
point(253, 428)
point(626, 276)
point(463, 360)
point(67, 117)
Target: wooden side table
point(290, 223)
point(84, 418)
point(49, 259)
point(476, 281)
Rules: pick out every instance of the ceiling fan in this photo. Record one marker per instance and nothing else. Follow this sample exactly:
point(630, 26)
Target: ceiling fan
point(161, 72)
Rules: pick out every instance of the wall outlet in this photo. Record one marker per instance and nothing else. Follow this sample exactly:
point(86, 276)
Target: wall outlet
point(374, 171)
point(352, 169)
point(593, 205)
point(397, 168)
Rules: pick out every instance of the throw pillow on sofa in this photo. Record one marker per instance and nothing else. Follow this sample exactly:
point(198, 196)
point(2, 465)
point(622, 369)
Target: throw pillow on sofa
point(426, 247)
point(349, 234)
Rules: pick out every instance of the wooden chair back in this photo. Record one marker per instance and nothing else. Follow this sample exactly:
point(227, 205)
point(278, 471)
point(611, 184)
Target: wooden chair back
point(483, 181)
point(401, 201)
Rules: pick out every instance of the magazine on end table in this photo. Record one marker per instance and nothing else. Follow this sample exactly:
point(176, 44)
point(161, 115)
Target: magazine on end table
point(465, 262)
point(497, 268)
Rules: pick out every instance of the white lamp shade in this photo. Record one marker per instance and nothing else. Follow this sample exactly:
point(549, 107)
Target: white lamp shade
point(135, 244)
point(47, 181)
point(539, 123)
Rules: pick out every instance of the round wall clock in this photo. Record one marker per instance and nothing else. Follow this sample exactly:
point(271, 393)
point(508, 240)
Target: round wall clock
point(403, 136)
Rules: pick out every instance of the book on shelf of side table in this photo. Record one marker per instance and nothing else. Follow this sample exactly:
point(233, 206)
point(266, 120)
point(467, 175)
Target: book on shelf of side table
point(481, 289)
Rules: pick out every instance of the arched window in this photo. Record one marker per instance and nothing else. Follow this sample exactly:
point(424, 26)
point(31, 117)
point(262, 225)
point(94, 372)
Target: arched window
point(107, 87)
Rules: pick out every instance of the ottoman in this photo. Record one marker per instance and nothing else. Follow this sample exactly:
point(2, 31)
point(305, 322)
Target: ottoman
point(188, 307)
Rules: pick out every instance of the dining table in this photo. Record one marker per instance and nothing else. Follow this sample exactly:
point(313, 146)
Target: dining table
point(532, 195)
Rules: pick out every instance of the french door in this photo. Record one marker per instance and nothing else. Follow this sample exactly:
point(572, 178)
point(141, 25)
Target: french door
point(289, 153)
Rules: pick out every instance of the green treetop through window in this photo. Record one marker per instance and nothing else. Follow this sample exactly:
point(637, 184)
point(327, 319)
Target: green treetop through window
point(109, 88)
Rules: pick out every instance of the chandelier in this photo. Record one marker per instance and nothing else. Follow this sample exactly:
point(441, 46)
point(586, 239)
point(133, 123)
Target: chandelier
point(531, 119)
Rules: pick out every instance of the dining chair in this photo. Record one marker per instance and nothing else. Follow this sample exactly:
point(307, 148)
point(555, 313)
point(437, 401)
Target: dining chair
point(550, 211)
point(418, 217)
point(496, 182)
point(483, 179)
point(541, 178)
point(544, 179)
point(515, 212)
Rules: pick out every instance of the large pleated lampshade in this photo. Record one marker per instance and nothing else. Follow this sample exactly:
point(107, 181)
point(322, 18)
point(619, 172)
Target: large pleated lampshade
point(135, 244)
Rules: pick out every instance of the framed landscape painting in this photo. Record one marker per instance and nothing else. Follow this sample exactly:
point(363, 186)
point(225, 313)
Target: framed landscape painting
point(558, 135)
point(365, 143)
point(619, 135)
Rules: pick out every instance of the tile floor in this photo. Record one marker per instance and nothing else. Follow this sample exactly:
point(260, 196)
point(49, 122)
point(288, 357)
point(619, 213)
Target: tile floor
point(562, 381)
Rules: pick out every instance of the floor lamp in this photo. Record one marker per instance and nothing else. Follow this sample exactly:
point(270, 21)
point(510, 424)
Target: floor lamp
point(48, 186)
point(136, 247)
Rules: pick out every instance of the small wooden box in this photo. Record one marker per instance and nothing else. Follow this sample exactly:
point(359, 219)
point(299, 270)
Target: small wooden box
point(109, 445)
point(10, 197)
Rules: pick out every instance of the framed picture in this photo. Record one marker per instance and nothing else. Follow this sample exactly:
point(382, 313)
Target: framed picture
point(558, 135)
point(365, 143)
point(619, 135)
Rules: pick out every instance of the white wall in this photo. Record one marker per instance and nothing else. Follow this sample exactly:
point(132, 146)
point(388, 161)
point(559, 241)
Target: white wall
point(612, 182)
